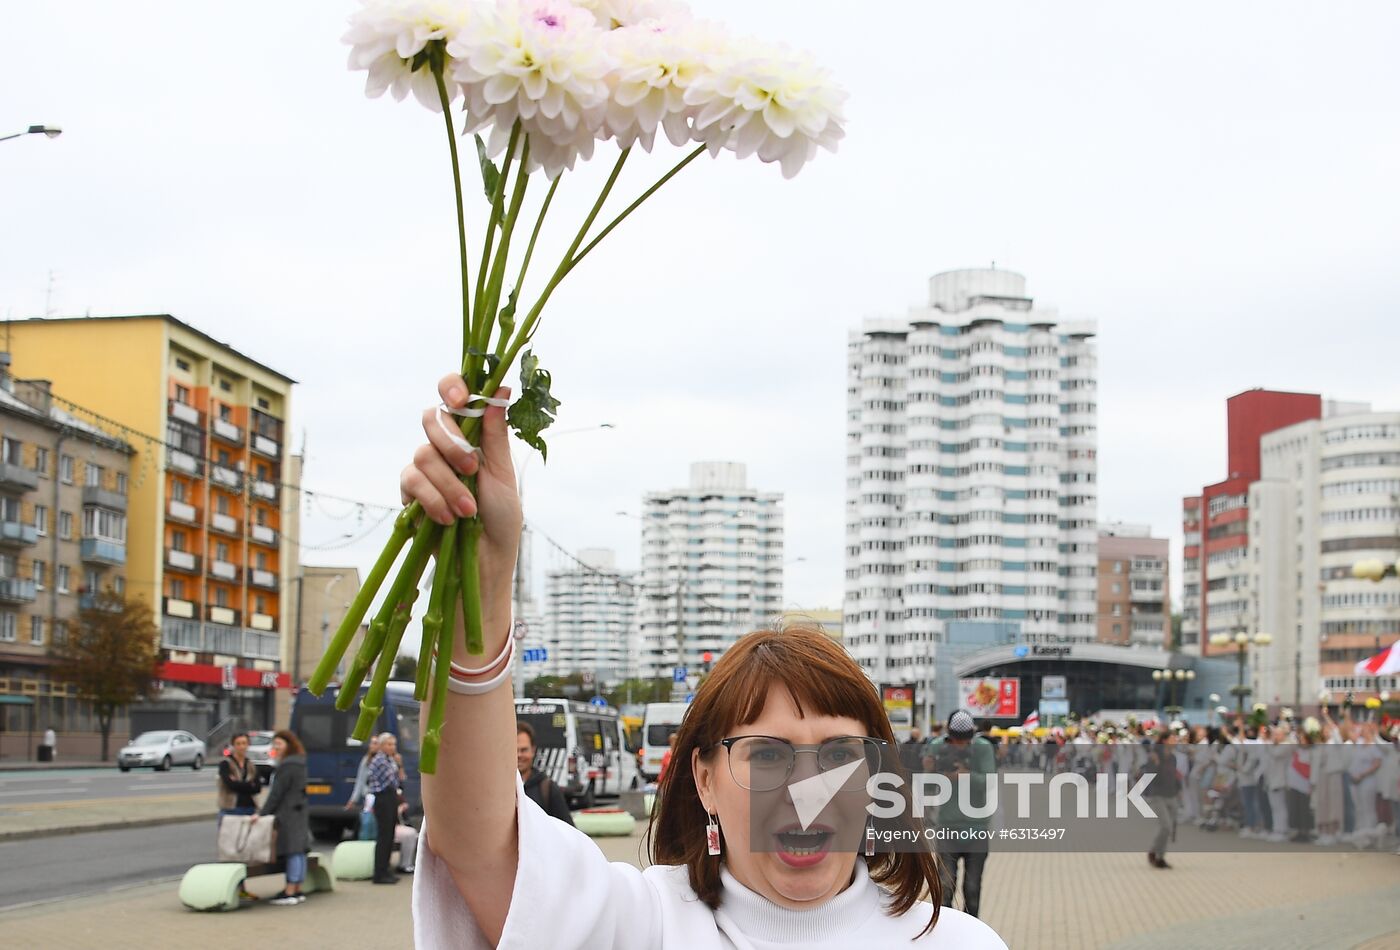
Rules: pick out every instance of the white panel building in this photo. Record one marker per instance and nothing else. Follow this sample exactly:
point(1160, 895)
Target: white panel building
point(1328, 496)
point(591, 618)
point(712, 566)
point(971, 474)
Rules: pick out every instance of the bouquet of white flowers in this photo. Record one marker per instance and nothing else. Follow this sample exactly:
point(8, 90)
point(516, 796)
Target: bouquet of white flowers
point(546, 81)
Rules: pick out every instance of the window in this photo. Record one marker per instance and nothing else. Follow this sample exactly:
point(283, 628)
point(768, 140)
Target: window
point(221, 504)
point(263, 403)
point(177, 540)
point(260, 604)
point(1117, 610)
point(220, 597)
point(36, 630)
point(41, 570)
point(225, 410)
point(63, 578)
point(8, 564)
point(92, 581)
point(184, 367)
point(65, 469)
point(261, 560)
point(8, 623)
point(104, 523)
point(92, 475)
point(1117, 629)
point(221, 551)
point(182, 393)
point(1117, 587)
point(177, 490)
point(60, 631)
point(41, 461)
point(65, 525)
point(119, 585)
point(177, 588)
point(121, 483)
point(41, 520)
point(11, 451)
point(226, 386)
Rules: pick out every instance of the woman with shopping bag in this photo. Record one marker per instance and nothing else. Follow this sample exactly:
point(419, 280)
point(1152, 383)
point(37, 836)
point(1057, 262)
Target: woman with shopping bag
point(286, 801)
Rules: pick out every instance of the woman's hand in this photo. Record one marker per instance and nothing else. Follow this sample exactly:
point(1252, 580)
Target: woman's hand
point(434, 480)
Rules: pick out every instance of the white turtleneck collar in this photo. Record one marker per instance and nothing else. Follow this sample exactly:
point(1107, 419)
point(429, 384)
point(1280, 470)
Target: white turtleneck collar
point(759, 918)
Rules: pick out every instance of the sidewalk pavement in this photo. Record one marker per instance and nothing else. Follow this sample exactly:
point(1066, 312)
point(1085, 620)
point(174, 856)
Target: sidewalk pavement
point(1035, 901)
point(39, 819)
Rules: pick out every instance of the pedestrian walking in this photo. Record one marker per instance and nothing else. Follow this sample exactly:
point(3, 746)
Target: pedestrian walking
point(494, 869)
point(286, 802)
point(962, 752)
point(539, 787)
point(1163, 793)
point(383, 782)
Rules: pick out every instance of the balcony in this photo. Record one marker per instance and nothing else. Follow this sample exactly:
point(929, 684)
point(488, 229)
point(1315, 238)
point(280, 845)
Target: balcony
point(227, 431)
point(264, 490)
point(102, 498)
point(264, 622)
point(177, 634)
point(175, 607)
point(266, 646)
point(261, 578)
point(183, 511)
point(103, 551)
point(224, 571)
point(264, 535)
point(223, 639)
point(225, 616)
point(90, 601)
point(12, 532)
point(185, 413)
point(226, 477)
point(184, 462)
point(223, 523)
point(182, 561)
point(16, 478)
point(16, 590)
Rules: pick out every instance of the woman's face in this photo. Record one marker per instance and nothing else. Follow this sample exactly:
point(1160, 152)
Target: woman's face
point(279, 747)
point(240, 746)
point(794, 879)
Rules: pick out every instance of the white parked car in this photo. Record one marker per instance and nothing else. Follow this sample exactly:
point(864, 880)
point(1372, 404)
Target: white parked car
point(162, 750)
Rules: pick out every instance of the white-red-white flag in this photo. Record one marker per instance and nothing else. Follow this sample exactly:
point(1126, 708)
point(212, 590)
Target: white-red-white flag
point(1383, 663)
point(1032, 721)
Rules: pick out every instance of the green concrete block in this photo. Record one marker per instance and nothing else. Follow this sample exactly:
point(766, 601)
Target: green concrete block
point(353, 861)
point(601, 823)
point(320, 876)
point(212, 886)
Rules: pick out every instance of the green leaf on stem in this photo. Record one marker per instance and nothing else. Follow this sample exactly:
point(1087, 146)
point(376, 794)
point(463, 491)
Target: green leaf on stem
point(492, 360)
point(507, 317)
point(534, 410)
point(490, 174)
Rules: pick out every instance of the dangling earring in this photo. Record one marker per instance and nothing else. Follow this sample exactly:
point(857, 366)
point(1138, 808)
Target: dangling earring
point(712, 835)
point(870, 838)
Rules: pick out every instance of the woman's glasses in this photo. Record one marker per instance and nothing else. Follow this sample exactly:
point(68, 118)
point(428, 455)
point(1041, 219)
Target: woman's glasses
point(764, 763)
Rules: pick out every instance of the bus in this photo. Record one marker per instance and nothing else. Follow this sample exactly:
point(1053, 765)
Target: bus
point(333, 758)
point(581, 747)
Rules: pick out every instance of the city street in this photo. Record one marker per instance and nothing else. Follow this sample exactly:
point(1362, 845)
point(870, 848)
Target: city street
point(62, 866)
point(70, 788)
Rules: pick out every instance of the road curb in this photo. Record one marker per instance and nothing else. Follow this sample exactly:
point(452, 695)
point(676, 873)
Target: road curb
point(102, 826)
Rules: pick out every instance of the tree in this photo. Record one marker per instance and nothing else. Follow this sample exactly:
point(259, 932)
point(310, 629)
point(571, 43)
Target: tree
point(405, 667)
point(1175, 641)
point(110, 655)
point(641, 691)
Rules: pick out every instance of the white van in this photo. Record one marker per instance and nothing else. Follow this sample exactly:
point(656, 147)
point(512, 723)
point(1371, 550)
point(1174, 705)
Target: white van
point(660, 720)
point(581, 747)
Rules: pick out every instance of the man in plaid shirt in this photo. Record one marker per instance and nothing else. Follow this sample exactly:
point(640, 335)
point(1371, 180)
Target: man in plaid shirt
point(383, 784)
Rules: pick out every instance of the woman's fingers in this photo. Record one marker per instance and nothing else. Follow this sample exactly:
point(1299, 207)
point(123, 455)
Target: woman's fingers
point(453, 390)
point(441, 429)
point(495, 440)
point(435, 491)
point(440, 475)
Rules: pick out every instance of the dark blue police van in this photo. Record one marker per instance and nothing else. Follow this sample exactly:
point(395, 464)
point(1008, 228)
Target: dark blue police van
point(333, 758)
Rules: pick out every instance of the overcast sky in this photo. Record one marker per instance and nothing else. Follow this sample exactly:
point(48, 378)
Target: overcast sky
point(1214, 183)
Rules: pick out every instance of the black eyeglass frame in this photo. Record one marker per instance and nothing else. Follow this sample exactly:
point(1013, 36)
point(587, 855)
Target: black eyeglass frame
point(729, 741)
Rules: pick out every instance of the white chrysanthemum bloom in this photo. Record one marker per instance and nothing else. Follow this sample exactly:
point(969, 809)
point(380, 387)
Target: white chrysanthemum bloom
point(614, 14)
point(768, 101)
point(540, 61)
point(656, 61)
point(386, 35)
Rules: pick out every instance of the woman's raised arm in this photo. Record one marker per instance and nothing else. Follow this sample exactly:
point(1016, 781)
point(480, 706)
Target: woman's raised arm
point(470, 802)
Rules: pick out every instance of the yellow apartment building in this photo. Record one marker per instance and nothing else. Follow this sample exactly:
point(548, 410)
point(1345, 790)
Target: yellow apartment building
point(211, 488)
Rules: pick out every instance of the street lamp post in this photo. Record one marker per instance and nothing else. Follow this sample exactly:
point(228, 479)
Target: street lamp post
point(1241, 640)
point(48, 131)
point(1173, 678)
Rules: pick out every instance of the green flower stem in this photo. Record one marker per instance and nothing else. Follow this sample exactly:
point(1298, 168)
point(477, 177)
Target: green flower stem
point(481, 320)
point(529, 253)
point(471, 585)
point(432, 622)
point(498, 266)
point(373, 703)
point(409, 572)
point(432, 736)
point(404, 526)
point(675, 170)
point(437, 66)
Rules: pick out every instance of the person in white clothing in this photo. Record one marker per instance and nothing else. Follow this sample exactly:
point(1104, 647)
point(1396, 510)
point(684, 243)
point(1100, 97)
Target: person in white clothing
point(495, 871)
point(1277, 757)
point(1364, 763)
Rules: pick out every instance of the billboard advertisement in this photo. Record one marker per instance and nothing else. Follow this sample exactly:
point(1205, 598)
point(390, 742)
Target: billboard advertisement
point(899, 707)
point(990, 697)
